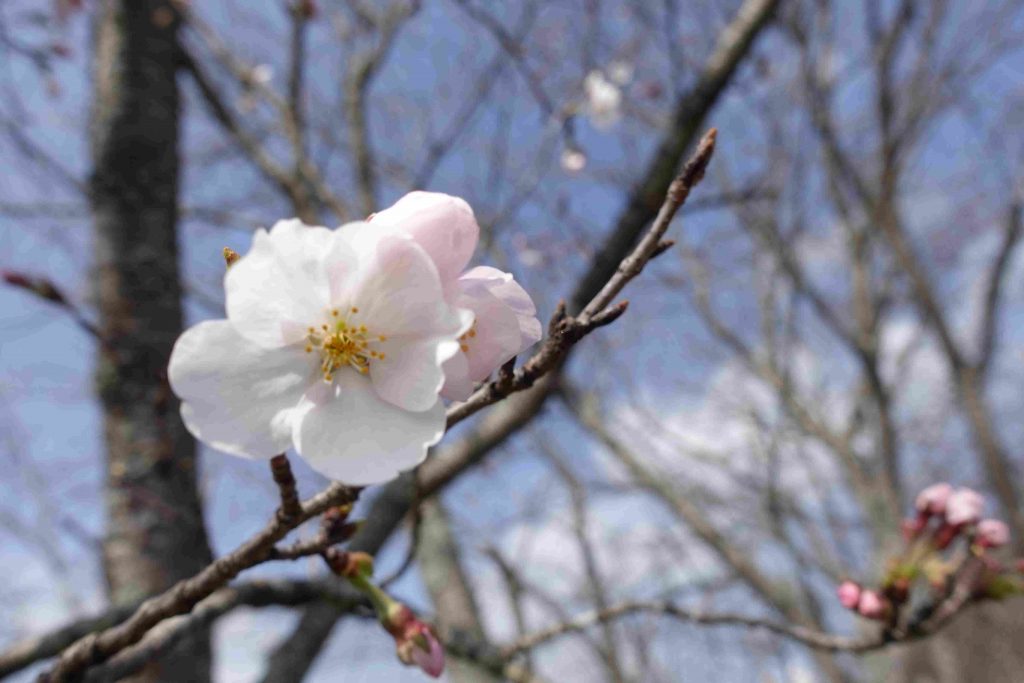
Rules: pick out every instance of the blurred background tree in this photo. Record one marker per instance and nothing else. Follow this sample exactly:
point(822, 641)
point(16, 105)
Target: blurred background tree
point(837, 327)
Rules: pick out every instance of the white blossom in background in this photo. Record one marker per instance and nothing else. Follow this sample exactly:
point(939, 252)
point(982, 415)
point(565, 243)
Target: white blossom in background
point(333, 343)
point(504, 316)
point(262, 73)
point(604, 100)
point(573, 160)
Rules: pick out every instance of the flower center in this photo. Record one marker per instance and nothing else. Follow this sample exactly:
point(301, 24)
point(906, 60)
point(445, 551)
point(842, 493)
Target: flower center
point(344, 343)
point(464, 338)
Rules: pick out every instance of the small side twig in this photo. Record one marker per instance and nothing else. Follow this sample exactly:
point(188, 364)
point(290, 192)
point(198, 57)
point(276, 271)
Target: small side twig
point(281, 469)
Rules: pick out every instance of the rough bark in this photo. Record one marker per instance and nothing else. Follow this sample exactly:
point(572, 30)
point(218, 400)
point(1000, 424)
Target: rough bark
point(155, 534)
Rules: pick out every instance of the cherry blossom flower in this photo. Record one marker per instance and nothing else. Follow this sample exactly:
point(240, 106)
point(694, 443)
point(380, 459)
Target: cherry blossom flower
point(933, 500)
point(333, 344)
point(849, 594)
point(964, 507)
point(604, 100)
point(992, 533)
point(504, 316)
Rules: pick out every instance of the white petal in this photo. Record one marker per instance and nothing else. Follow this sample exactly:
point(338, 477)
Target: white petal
point(281, 286)
point(352, 435)
point(237, 396)
point(410, 376)
point(442, 224)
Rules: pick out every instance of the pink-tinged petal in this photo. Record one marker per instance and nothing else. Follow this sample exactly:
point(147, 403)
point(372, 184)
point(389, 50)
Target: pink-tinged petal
point(280, 286)
point(964, 506)
point(442, 224)
point(399, 294)
point(932, 500)
point(348, 433)
point(238, 397)
point(992, 533)
point(849, 594)
point(504, 287)
point(457, 384)
point(495, 336)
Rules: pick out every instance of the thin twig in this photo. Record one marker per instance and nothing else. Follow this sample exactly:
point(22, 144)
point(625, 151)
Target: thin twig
point(183, 596)
point(565, 330)
point(281, 469)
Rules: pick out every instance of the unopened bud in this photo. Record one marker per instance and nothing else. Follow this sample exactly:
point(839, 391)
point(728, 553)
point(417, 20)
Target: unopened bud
point(849, 594)
point(964, 507)
point(932, 500)
point(872, 605)
point(992, 533)
point(416, 645)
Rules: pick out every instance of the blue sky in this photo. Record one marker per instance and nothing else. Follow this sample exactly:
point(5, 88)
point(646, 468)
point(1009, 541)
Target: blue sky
point(658, 357)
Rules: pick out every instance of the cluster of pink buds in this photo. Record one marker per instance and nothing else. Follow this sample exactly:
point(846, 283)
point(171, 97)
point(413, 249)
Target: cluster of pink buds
point(942, 515)
point(868, 603)
point(951, 513)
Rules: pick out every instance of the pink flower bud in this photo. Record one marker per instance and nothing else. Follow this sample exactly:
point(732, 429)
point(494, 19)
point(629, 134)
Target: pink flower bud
point(872, 605)
point(933, 500)
point(417, 645)
point(992, 533)
point(431, 660)
point(849, 594)
point(964, 507)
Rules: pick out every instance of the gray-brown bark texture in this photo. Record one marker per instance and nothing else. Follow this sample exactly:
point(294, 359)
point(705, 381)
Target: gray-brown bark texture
point(155, 534)
point(439, 559)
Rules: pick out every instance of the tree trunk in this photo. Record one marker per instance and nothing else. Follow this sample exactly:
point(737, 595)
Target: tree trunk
point(155, 534)
point(438, 555)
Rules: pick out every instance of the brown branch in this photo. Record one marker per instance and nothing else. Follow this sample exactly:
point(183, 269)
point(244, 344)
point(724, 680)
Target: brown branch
point(994, 289)
point(252, 594)
point(305, 184)
point(183, 596)
point(357, 84)
point(281, 469)
point(951, 607)
point(256, 594)
point(44, 289)
point(565, 330)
